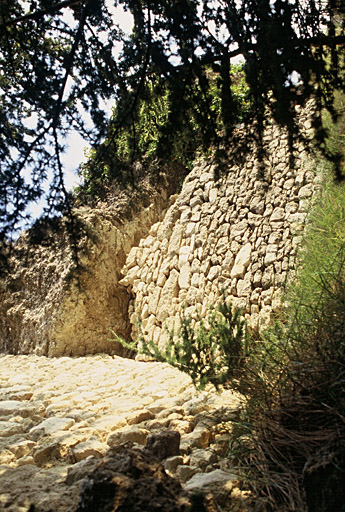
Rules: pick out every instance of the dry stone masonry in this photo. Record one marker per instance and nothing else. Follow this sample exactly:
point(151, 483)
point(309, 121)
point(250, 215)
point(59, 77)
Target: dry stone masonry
point(237, 232)
point(153, 252)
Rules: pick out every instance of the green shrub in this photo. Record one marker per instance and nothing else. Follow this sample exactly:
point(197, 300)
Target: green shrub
point(211, 352)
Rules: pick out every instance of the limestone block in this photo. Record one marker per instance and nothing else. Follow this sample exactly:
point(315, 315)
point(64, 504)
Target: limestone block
point(190, 229)
point(278, 215)
point(271, 254)
point(90, 448)
point(186, 215)
point(184, 277)
point(6, 457)
point(202, 458)
point(244, 286)
point(257, 205)
point(161, 279)
point(25, 461)
point(46, 452)
point(300, 178)
point(148, 323)
point(143, 256)
point(257, 278)
point(129, 278)
point(194, 296)
point(154, 228)
point(17, 393)
point(268, 210)
point(196, 266)
point(274, 238)
point(186, 192)
point(169, 291)
point(134, 434)
point(207, 482)
point(212, 195)
point(242, 261)
point(239, 228)
point(51, 426)
point(221, 444)
point(175, 240)
point(268, 277)
point(306, 191)
point(196, 216)
point(154, 300)
point(277, 301)
point(133, 258)
point(297, 218)
point(9, 407)
point(264, 317)
point(288, 184)
point(195, 201)
point(195, 280)
point(185, 473)
point(222, 245)
point(206, 177)
point(23, 448)
point(199, 438)
point(235, 247)
point(109, 423)
point(214, 272)
point(165, 230)
point(184, 254)
point(266, 297)
point(181, 426)
point(148, 242)
point(10, 428)
point(170, 464)
point(139, 417)
point(296, 241)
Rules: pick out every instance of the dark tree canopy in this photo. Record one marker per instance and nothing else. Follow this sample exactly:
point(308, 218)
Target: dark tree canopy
point(54, 69)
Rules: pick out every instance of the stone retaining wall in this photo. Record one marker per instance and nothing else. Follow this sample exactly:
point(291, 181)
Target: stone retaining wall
point(235, 228)
point(236, 232)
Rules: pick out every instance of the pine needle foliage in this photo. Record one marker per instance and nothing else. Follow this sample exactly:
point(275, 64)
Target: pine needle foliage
point(211, 351)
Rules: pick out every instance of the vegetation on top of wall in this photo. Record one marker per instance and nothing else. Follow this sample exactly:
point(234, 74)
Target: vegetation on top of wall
point(147, 134)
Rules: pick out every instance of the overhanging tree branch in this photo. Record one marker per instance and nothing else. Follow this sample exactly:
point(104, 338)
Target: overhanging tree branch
point(38, 14)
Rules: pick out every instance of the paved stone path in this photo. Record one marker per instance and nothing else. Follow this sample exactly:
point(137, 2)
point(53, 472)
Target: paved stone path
point(59, 416)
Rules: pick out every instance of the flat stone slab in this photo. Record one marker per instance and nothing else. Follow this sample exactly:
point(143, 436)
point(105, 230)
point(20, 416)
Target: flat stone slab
point(9, 407)
point(52, 425)
point(10, 428)
point(204, 482)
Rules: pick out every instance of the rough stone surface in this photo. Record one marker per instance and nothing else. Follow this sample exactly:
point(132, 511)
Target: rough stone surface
point(45, 310)
point(152, 253)
point(164, 444)
point(236, 232)
point(130, 480)
point(84, 402)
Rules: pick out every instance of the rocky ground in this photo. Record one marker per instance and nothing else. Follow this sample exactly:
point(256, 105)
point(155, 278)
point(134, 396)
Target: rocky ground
point(59, 416)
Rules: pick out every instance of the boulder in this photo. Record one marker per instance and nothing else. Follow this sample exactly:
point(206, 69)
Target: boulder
point(164, 444)
point(131, 480)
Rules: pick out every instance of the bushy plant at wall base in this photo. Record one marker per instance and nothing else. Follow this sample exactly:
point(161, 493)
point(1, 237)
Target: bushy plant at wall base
point(210, 351)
